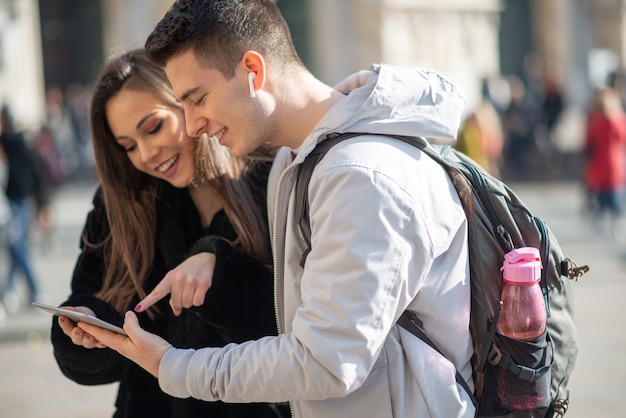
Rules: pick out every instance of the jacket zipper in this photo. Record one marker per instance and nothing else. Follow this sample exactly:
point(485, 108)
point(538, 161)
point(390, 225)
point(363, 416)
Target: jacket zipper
point(275, 253)
point(275, 258)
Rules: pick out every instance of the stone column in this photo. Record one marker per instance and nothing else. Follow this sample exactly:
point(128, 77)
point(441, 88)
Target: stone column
point(458, 38)
point(127, 23)
point(21, 68)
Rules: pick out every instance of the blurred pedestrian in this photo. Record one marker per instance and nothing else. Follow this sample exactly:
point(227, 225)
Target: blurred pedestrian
point(78, 96)
point(481, 137)
point(519, 124)
point(49, 155)
point(552, 107)
point(605, 152)
point(616, 80)
point(48, 162)
point(5, 206)
point(62, 123)
point(27, 196)
point(5, 217)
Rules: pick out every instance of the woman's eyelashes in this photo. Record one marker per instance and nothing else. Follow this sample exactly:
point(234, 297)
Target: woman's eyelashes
point(150, 127)
point(157, 127)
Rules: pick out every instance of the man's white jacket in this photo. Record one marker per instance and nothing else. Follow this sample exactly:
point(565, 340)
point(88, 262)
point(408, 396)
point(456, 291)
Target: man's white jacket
point(388, 233)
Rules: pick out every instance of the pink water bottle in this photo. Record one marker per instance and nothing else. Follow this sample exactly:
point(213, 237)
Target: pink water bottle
point(523, 315)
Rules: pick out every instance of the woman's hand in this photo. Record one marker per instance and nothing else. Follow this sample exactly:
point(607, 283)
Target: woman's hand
point(77, 334)
point(140, 346)
point(187, 284)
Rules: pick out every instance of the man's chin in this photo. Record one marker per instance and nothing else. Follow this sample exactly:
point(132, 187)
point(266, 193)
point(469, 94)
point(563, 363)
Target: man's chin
point(237, 151)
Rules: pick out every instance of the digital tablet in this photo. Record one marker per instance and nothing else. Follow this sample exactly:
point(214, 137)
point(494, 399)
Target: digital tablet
point(79, 317)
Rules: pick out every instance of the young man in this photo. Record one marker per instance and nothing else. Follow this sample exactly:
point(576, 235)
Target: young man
point(388, 230)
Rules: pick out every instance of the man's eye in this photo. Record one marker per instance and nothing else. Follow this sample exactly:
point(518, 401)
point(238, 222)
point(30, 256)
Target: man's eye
point(199, 101)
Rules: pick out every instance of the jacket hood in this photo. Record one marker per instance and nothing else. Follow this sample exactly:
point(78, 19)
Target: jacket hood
point(394, 100)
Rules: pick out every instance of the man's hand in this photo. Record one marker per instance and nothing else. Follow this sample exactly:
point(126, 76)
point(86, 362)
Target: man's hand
point(188, 283)
point(140, 346)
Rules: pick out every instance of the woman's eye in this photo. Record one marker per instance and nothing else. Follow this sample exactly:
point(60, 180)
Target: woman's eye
point(156, 128)
point(130, 148)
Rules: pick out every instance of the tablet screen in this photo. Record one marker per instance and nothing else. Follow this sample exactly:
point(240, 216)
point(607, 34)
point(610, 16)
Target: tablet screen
point(80, 317)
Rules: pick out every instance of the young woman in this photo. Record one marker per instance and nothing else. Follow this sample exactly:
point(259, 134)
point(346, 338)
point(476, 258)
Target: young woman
point(164, 197)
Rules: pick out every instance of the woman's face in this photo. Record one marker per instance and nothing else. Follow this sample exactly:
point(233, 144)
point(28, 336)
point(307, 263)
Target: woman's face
point(153, 135)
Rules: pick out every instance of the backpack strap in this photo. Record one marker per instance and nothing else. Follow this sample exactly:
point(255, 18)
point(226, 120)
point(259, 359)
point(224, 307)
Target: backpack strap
point(411, 322)
point(305, 170)
point(459, 181)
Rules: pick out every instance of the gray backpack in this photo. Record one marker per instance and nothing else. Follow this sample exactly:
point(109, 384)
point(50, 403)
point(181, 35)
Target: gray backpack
point(512, 378)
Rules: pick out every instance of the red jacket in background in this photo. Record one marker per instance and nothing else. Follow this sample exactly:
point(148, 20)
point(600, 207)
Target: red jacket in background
point(606, 152)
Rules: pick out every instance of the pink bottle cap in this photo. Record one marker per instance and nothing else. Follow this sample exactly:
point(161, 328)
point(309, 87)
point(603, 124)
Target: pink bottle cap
point(522, 265)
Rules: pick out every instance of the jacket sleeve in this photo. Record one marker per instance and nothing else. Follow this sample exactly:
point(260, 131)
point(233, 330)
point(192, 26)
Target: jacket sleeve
point(89, 366)
point(348, 305)
point(239, 303)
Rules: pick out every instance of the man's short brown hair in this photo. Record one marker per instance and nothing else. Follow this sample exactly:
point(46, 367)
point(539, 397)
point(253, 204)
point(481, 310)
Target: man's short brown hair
point(220, 32)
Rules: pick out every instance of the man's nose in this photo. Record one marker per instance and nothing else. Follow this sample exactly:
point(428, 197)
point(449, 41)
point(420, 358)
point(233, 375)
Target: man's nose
point(195, 124)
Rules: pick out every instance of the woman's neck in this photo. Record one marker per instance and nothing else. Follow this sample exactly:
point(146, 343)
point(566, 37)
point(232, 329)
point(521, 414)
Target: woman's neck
point(207, 201)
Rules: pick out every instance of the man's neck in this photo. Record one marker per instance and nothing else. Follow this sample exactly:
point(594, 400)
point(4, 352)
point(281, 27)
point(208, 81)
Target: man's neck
point(305, 101)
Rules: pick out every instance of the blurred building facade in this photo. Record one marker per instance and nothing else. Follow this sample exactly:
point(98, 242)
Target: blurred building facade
point(21, 63)
point(58, 42)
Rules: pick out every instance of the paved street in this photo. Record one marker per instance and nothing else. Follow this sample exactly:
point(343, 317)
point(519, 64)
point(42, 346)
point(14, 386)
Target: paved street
point(32, 386)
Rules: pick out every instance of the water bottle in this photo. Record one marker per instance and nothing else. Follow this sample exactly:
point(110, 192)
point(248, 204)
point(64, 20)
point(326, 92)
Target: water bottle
point(523, 315)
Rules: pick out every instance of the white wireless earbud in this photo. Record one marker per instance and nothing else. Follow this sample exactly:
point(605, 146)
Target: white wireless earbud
point(251, 76)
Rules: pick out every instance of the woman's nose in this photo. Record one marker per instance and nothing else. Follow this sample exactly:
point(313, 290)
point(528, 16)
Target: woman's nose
point(148, 152)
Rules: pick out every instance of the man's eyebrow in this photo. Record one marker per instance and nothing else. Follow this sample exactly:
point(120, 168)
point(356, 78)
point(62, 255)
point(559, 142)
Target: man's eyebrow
point(188, 93)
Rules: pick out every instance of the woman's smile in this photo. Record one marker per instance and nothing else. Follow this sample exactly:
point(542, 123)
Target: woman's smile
point(168, 168)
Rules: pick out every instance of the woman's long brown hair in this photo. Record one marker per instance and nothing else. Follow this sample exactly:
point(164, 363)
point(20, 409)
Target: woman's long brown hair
point(130, 195)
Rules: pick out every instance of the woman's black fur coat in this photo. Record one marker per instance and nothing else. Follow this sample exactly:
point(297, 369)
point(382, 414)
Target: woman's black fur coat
point(238, 307)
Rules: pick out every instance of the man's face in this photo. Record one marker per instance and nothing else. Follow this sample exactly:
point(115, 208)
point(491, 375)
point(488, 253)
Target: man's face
point(218, 106)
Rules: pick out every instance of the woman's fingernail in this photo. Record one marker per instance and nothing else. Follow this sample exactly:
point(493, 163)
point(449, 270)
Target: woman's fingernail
point(138, 307)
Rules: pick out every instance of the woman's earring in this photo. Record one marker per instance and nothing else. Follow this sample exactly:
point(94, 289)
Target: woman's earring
point(251, 76)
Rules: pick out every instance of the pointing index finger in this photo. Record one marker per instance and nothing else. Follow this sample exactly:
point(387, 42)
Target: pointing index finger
point(159, 292)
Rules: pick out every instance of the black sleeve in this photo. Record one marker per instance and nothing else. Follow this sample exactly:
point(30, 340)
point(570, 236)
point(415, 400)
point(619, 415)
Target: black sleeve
point(42, 186)
point(89, 366)
point(240, 302)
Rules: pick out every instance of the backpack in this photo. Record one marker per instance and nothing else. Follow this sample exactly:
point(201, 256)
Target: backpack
point(512, 378)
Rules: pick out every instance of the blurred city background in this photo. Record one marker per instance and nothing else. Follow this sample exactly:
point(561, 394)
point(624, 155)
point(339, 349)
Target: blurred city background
point(530, 70)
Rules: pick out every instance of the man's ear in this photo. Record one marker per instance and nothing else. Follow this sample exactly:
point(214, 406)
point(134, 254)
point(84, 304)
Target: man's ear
point(253, 62)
